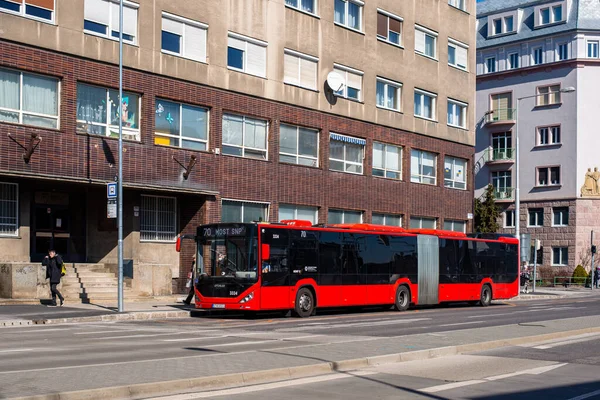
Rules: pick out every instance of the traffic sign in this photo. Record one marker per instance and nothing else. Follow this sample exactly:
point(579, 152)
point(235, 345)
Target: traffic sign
point(111, 190)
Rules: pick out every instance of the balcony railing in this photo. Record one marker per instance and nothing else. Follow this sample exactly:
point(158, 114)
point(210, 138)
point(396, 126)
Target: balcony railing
point(501, 116)
point(504, 193)
point(498, 155)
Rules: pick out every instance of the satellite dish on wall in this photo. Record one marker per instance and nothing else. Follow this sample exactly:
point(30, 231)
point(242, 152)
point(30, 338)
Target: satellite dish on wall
point(335, 81)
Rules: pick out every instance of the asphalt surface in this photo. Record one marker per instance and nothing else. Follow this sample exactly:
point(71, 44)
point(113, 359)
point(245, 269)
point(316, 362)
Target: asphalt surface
point(92, 355)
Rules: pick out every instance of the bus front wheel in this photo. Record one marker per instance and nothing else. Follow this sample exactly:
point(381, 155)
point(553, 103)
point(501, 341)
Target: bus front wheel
point(402, 298)
point(486, 296)
point(305, 303)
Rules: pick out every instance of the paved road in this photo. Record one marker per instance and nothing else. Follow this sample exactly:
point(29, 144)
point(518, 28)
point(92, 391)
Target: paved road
point(557, 369)
point(81, 356)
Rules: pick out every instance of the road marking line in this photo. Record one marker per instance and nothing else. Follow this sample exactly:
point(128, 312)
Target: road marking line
point(464, 323)
point(353, 325)
point(115, 331)
point(448, 386)
point(40, 330)
point(586, 396)
point(194, 338)
point(565, 343)
point(240, 343)
point(15, 350)
point(139, 336)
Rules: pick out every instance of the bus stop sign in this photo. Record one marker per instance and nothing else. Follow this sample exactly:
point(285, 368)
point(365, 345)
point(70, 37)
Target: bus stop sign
point(525, 241)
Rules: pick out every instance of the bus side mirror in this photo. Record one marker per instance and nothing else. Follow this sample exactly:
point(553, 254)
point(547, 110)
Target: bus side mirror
point(178, 244)
point(265, 252)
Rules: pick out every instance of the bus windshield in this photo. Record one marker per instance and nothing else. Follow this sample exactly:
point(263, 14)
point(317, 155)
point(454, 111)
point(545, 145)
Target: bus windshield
point(230, 251)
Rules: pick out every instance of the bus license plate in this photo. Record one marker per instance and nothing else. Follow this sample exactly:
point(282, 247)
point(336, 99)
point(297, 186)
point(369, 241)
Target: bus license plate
point(218, 306)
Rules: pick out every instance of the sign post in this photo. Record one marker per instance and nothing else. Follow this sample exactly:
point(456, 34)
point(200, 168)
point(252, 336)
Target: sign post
point(536, 247)
point(592, 265)
point(111, 200)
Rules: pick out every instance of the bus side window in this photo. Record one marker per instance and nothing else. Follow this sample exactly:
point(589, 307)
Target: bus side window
point(405, 258)
point(449, 268)
point(350, 270)
point(330, 267)
point(275, 271)
point(303, 256)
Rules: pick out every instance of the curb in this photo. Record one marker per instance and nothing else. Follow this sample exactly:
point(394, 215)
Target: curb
point(153, 389)
point(133, 316)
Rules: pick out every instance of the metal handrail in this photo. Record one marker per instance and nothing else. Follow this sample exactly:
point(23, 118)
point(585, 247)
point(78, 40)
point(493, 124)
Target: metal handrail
point(501, 115)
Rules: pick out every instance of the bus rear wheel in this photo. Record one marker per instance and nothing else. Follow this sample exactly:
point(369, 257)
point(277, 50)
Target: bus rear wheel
point(486, 296)
point(305, 303)
point(402, 300)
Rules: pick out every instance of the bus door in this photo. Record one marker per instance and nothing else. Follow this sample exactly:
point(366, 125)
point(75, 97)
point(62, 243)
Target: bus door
point(354, 285)
point(275, 271)
point(451, 287)
point(429, 270)
point(303, 255)
point(329, 292)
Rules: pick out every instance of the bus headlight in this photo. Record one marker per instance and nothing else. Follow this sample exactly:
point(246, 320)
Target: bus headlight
point(247, 298)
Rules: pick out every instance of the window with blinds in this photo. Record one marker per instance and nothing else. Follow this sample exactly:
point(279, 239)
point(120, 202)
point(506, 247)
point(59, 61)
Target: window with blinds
point(247, 55)
point(425, 41)
point(9, 209)
point(300, 69)
point(423, 167)
point(158, 218)
point(423, 223)
point(389, 27)
point(386, 219)
point(457, 54)
point(36, 9)
point(184, 37)
point(244, 211)
point(307, 213)
point(353, 79)
point(101, 17)
point(387, 161)
point(244, 136)
point(548, 95)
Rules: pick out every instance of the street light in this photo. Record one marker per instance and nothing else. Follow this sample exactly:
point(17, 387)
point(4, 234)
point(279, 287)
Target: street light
point(568, 89)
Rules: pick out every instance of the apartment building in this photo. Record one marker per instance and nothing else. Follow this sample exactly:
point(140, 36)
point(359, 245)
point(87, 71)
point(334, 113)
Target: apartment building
point(228, 116)
point(530, 57)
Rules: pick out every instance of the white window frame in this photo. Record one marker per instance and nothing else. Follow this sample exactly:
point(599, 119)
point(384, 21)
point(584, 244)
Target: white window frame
point(243, 202)
point(361, 5)
point(421, 219)
point(301, 56)
point(243, 146)
point(495, 32)
point(538, 223)
point(558, 51)
point(549, 175)
point(433, 96)
point(459, 46)
point(505, 222)
point(550, 132)
point(595, 47)
point(552, 95)
point(426, 32)
point(561, 250)
point(385, 169)
point(344, 71)
point(299, 7)
point(453, 222)
point(533, 55)
point(297, 155)
point(181, 137)
point(550, 7)
point(22, 112)
point(136, 133)
point(457, 105)
point(487, 65)
point(385, 218)
point(456, 183)
point(295, 207)
point(112, 24)
point(456, 4)
point(156, 216)
point(344, 161)
point(561, 216)
point(510, 60)
point(22, 12)
point(400, 34)
point(16, 204)
point(418, 177)
point(387, 84)
point(184, 37)
point(246, 40)
point(344, 214)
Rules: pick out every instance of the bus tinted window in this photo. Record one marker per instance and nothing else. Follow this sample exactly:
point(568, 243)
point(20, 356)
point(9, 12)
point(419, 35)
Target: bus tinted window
point(404, 264)
point(330, 257)
point(303, 255)
point(275, 271)
point(350, 261)
point(377, 258)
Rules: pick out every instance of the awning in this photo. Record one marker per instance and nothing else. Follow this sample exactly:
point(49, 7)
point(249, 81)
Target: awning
point(347, 139)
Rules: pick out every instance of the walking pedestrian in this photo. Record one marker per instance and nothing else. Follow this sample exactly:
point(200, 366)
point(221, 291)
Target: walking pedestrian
point(597, 277)
point(54, 263)
point(190, 283)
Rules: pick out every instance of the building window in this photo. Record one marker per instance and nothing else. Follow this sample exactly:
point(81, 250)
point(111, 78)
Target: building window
point(423, 167)
point(425, 41)
point(509, 218)
point(349, 13)
point(289, 211)
point(592, 49)
point(42, 10)
point(455, 173)
point(548, 95)
point(244, 136)
point(560, 256)
point(537, 56)
point(184, 37)
point(513, 60)
point(158, 218)
point(536, 217)
point(388, 94)
point(502, 181)
point(544, 16)
point(98, 112)
point(457, 54)
point(502, 146)
point(502, 107)
point(309, 6)
point(422, 223)
point(490, 65)
point(560, 216)
point(461, 4)
point(387, 161)
point(299, 145)
point(344, 217)
point(548, 135)
point(353, 78)
point(549, 14)
point(509, 25)
point(346, 153)
point(497, 26)
point(455, 225)
point(562, 51)
point(389, 27)
point(9, 209)
point(300, 69)
point(457, 113)
point(425, 104)
point(548, 176)
point(244, 211)
point(386, 219)
point(247, 55)
point(101, 17)
point(28, 99)
point(181, 125)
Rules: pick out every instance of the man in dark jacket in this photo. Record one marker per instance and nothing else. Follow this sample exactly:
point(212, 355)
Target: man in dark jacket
point(53, 263)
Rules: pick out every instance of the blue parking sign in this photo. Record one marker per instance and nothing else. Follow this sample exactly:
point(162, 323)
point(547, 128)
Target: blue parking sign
point(111, 190)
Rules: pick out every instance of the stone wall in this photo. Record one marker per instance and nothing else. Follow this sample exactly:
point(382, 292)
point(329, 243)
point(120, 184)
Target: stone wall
point(588, 220)
point(23, 281)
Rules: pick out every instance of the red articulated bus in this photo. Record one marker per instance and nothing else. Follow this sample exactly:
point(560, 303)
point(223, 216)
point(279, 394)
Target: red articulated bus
point(296, 266)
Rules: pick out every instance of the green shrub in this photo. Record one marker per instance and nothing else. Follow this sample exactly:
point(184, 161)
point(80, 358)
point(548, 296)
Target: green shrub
point(580, 275)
